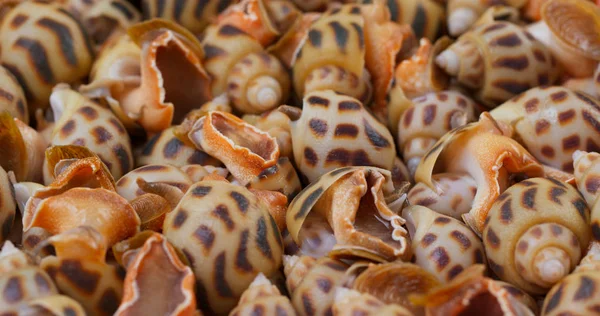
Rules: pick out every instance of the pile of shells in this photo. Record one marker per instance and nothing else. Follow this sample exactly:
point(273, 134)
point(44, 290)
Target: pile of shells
point(300, 157)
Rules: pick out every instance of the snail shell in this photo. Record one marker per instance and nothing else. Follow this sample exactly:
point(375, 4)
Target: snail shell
point(456, 199)
point(333, 55)
point(128, 188)
point(190, 14)
point(212, 216)
point(166, 148)
point(350, 302)
point(79, 121)
point(54, 39)
point(30, 282)
point(426, 17)
point(587, 175)
point(245, 150)
point(104, 18)
point(281, 177)
point(498, 61)
point(333, 131)
point(238, 65)
point(462, 14)
point(7, 205)
point(535, 233)
point(312, 283)
point(395, 282)
point(277, 125)
point(286, 47)
point(12, 96)
point(431, 116)
point(552, 123)
point(576, 294)
point(55, 305)
point(360, 205)
point(145, 294)
point(263, 297)
point(441, 244)
point(22, 149)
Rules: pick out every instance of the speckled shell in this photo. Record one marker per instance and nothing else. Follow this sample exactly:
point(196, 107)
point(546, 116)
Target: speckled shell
point(521, 211)
point(166, 148)
point(442, 245)
point(587, 175)
point(458, 193)
point(553, 122)
point(312, 284)
point(82, 122)
point(430, 117)
point(23, 285)
point(7, 205)
point(43, 45)
point(335, 131)
point(12, 97)
point(228, 237)
point(167, 174)
point(193, 15)
point(262, 297)
point(498, 61)
point(351, 303)
point(334, 44)
point(145, 294)
point(575, 294)
point(426, 17)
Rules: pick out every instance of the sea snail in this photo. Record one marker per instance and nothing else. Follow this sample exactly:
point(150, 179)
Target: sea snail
point(462, 14)
point(13, 97)
point(334, 130)
point(497, 61)
point(254, 80)
point(536, 232)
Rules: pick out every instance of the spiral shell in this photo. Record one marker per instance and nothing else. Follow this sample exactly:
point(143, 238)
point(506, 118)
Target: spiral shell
point(312, 283)
point(552, 123)
point(192, 15)
point(426, 17)
point(333, 55)
point(23, 285)
point(263, 297)
point(12, 96)
point(462, 14)
point(79, 121)
point(254, 80)
point(442, 245)
point(350, 302)
point(498, 61)
point(281, 177)
point(128, 188)
point(22, 148)
point(535, 233)
point(43, 45)
point(212, 215)
point(342, 133)
point(587, 175)
point(430, 117)
point(105, 18)
point(458, 193)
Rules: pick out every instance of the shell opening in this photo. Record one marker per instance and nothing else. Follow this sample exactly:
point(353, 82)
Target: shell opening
point(483, 303)
point(264, 93)
point(247, 138)
point(460, 20)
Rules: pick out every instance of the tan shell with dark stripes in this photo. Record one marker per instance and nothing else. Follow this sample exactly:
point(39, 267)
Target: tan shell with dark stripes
point(228, 237)
point(336, 131)
point(192, 14)
point(12, 97)
point(44, 45)
point(553, 122)
point(576, 294)
point(528, 217)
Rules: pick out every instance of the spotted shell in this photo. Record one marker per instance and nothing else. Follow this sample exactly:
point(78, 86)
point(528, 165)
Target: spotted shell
point(462, 14)
point(333, 131)
point(553, 122)
point(312, 284)
point(191, 14)
point(333, 55)
point(82, 122)
point(166, 148)
point(587, 177)
point(576, 294)
point(55, 305)
point(498, 61)
point(212, 216)
point(22, 285)
point(426, 17)
point(430, 117)
point(262, 297)
point(458, 193)
point(7, 205)
point(351, 302)
point(442, 245)
point(104, 18)
point(535, 233)
point(128, 188)
point(12, 97)
point(281, 177)
point(44, 45)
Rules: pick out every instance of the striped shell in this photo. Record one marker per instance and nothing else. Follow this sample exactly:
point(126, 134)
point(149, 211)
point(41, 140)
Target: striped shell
point(442, 245)
point(228, 237)
point(166, 148)
point(43, 45)
point(535, 233)
point(575, 294)
point(552, 123)
point(430, 117)
point(456, 197)
point(192, 14)
point(105, 18)
point(462, 14)
point(79, 121)
point(7, 205)
point(498, 61)
point(426, 17)
point(335, 131)
point(12, 96)
point(128, 188)
point(333, 55)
